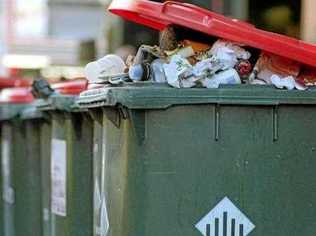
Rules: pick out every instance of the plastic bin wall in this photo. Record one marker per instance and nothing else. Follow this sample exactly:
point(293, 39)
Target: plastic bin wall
point(21, 178)
point(180, 153)
point(45, 143)
point(75, 216)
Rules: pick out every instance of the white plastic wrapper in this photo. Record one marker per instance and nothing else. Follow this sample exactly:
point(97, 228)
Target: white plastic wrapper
point(158, 73)
point(177, 71)
point(226, 77)
point(207, 66)
point(240, 52)
point(188, 82)
point(226, 57)
point(288, 83)
point(228, 53)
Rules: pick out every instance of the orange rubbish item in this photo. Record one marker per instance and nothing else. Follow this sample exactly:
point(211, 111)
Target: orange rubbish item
point(278, 65)
point(196, 46)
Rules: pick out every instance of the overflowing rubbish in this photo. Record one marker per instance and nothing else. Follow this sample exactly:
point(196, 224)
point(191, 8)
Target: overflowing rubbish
point(189, 63)
point(269, 65)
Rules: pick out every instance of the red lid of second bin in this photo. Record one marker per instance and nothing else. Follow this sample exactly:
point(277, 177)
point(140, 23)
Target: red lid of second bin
point(16, 96)
point(160, 15)
point(11, 82)
point(74, 87)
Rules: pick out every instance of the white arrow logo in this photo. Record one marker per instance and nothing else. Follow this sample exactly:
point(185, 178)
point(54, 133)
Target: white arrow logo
point(225, 219)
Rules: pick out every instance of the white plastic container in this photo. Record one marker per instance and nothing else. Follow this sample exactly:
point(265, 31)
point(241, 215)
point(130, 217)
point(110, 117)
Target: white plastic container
point(108, 66)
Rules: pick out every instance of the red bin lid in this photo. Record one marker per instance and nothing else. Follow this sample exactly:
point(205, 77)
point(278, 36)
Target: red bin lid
point(160, 15)
point(11, 82)
point(72, 87)
point(16, 96)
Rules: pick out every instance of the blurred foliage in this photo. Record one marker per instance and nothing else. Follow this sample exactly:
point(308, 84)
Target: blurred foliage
point(280, 16)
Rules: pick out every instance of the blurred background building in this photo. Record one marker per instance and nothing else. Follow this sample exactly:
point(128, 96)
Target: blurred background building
point(72, 32)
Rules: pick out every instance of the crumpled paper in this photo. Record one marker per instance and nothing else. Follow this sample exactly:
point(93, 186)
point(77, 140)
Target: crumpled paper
point(226, 77)
point(223, 56)
point(177, 71)
point(228, 53)
point(288, 83)
point(181, 74)
point(206, 67)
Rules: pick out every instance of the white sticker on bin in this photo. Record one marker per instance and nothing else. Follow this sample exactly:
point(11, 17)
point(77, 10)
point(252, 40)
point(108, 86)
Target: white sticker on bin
point(8, 194)
point(59, 178)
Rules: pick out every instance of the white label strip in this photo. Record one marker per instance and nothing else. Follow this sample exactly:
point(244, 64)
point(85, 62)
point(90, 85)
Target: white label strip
point(8, 191)
point(59, 177)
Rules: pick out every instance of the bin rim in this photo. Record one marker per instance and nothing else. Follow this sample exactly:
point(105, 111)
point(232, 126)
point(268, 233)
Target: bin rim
point(57, 102)
point(157, 96)
point(160, 15)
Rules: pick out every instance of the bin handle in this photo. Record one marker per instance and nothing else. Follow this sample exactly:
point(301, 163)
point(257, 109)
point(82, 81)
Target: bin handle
point(179, 4)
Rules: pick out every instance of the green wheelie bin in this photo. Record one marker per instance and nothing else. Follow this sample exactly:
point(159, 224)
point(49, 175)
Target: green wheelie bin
point(238, 160)
point(190, 161)
point(37, 128)
point(20, 159)
point(70, 165)
point(97, 114)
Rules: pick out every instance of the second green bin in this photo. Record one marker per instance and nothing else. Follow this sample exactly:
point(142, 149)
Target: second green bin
point(70, 166)
point(20, 166)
